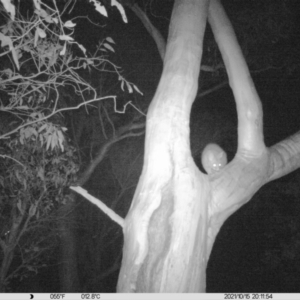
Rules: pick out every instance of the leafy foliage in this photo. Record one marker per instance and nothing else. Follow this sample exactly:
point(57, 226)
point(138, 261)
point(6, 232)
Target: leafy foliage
point(32, 183)
point(39, 64)
point(37, 163)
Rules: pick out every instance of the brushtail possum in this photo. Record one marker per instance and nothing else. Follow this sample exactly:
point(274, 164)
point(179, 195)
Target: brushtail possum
point(213, 158)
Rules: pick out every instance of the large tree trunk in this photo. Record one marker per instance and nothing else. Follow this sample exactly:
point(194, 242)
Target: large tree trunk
point(166, 227)
point(177, 211)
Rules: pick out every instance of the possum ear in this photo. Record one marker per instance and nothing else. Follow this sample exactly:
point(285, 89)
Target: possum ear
point(213, 158)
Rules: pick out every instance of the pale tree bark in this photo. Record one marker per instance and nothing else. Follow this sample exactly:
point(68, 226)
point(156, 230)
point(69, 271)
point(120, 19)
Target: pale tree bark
point(165, 230)
point(177, 211)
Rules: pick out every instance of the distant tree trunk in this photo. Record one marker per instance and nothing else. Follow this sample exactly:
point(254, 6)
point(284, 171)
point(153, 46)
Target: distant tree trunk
point(69, 277)
point(177, 211)
point(68, 272)
point(8, 255)
point(9, 244)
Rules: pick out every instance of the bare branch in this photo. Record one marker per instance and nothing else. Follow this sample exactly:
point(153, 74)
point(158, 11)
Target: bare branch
point(99, 204)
